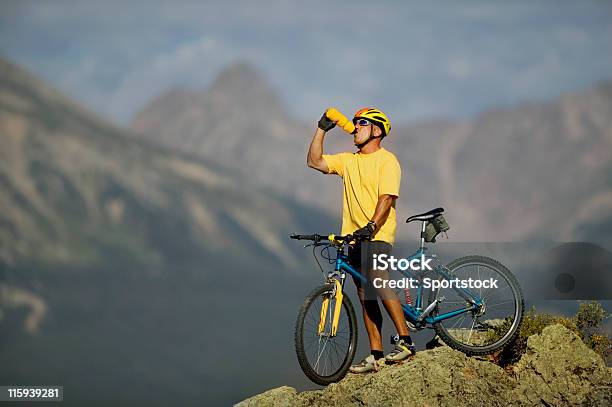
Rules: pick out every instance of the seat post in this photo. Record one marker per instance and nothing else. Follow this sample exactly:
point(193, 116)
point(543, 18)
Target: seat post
point(423, 234)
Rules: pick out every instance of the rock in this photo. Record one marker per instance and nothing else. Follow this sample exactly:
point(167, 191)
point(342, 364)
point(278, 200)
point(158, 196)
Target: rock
point(557, 370)
point(599, 397)
point(281, 397)
point(441, 376)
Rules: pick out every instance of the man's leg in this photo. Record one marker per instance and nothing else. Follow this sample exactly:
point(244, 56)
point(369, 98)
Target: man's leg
point(387, 295)
point(392, 305)
point(372, 318)
point(404, 347)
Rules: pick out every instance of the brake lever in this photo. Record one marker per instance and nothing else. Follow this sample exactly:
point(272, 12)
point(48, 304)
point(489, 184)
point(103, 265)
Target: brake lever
point(316, 244)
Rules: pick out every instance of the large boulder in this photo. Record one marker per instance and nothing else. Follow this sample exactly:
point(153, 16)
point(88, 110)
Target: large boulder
point(435, 377)
point(558, 369)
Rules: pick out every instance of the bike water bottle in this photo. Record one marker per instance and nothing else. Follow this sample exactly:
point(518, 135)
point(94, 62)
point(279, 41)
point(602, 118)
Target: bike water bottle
point(341, 120)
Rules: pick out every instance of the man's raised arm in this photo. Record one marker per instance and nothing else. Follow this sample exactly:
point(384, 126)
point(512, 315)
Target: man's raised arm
point(315, 152)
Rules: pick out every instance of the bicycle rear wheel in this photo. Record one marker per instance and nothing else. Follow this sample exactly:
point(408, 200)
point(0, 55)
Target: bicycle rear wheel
point(325, 358)
point(496, 323)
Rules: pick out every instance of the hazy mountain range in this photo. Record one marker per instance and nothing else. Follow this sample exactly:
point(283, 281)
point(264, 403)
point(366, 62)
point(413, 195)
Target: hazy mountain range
point(133, 266)
point(71, 181)
point(534, 170)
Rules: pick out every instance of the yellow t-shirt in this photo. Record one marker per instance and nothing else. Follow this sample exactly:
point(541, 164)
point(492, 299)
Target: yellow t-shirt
point(365, 178)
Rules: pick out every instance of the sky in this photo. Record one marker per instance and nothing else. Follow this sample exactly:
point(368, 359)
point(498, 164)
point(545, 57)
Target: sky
point(413, 59)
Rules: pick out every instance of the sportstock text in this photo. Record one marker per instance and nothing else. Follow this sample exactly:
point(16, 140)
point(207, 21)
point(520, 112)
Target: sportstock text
point(385, 262)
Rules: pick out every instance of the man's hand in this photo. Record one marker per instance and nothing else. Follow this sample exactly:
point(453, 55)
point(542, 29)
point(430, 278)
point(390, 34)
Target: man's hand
point(367, 231)
point(325, 123)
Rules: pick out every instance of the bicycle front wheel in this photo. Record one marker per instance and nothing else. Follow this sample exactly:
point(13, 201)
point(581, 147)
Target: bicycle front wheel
point(489, 327)
point(325, 357)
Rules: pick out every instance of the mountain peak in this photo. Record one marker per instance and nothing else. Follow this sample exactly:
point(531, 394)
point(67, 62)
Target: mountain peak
point(239, 90)
point(238, 87)
point(243, 84)
point(242, 71)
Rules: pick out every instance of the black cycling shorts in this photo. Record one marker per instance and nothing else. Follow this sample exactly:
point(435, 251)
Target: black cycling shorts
point(361, 257)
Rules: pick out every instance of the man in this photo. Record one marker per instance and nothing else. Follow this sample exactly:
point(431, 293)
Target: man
point(371, 180)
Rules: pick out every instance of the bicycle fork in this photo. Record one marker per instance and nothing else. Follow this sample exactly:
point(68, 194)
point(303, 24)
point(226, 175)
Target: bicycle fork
point(337, 308)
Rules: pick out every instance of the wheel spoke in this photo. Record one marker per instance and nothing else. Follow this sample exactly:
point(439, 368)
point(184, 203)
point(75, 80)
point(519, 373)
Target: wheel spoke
point(488, 326)
point(325, 355)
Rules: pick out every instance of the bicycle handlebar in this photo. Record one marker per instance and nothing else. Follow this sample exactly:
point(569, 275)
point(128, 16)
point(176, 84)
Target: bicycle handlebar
point(330, 238)
point(305, 237)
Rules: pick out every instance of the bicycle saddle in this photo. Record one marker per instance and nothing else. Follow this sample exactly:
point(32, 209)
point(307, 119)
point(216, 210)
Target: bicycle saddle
point(425, 216)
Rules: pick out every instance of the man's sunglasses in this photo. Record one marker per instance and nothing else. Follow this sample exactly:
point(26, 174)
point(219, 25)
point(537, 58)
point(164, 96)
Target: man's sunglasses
point(361, 122)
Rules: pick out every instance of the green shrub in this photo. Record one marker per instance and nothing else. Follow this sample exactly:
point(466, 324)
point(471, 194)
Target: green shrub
point(589, 317)
point(586, 323)
point(588, 320)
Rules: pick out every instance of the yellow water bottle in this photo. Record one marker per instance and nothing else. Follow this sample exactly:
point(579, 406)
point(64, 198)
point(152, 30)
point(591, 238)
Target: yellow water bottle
point(341, 120)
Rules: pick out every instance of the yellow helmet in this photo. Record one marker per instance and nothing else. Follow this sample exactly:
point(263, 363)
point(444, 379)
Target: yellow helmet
point(376, 117)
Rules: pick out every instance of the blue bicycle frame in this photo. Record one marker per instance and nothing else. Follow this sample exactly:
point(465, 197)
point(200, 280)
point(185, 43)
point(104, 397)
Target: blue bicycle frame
point(415, 313)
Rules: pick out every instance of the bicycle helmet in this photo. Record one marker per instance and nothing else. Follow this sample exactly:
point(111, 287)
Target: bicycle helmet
point(376, 117)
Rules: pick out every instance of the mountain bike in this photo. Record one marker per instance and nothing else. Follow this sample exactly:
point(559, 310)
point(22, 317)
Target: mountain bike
point(476, 321)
